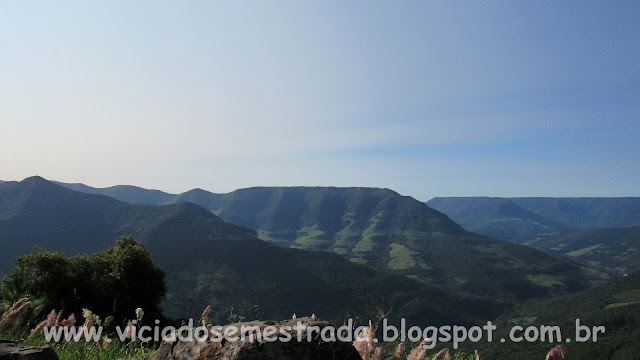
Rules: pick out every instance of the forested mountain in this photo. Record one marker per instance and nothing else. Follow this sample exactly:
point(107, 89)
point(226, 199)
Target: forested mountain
point(131, 194)
point(498, 217)
point(612, 249)
point(538, 215)
point(580, 239)
point(381, 228)
point(616, 306)
point(208, 261)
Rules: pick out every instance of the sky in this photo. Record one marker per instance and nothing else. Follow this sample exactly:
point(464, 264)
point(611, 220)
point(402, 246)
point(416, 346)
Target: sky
point(428, 98)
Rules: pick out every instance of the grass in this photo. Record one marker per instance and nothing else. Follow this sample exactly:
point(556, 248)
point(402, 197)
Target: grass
point(523, 321)
point(455, 356)
point(340, 251)
point(85, 351)
point(628, 295)
point(616, 305)
point(268, 236)
point(358, 260)
point(401, 257)
point(581, 252)
point(625, 298)
point(367, 243)
point(311, 237)
point(544, 280)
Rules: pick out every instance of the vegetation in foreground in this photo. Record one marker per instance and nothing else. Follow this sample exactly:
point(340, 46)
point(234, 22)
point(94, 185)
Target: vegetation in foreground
point(110, 348)
point(210, 262)
point(85, 351)
point(366, 347)
point(114, 282)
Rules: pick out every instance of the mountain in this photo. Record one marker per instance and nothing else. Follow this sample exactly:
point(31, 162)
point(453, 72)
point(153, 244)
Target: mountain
point(383, 229)
point(584, 213)
point(615, 250)
point(497, 217)
point(616, 306)
point(580, 213)
point(210, 262)
point(133, 194)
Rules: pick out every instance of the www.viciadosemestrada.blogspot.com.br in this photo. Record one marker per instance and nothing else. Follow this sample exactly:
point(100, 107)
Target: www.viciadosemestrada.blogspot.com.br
point(431, 335)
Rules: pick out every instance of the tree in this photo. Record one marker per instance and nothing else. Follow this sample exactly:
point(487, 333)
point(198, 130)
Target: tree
point(113, 282)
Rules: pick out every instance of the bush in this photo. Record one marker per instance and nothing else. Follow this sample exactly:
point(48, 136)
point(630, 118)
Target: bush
point(115, 281)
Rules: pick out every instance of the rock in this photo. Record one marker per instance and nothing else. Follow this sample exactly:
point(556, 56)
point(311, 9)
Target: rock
point(316, 349)
point(13, 351)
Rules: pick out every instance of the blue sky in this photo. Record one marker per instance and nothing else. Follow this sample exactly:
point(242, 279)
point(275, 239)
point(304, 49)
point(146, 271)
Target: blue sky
point(429, 98)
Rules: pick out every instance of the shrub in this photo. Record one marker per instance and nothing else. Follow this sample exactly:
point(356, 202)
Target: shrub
point(116, 281)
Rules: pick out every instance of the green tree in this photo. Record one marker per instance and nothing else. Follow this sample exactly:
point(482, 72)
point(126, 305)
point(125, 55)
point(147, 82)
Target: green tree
point(13, 288)
point(115, 281)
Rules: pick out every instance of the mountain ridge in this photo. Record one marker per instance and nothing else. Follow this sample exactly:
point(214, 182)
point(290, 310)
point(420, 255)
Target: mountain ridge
point(395, 233)
point(611, 248)
point(211, 262)
point(578, 212)
point(501, 218)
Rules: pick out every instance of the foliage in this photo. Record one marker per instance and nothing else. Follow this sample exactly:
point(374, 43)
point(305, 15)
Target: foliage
point(83, 350)
point(620, 341)
point(115, 281)
point(615, 250)
point(14, 288)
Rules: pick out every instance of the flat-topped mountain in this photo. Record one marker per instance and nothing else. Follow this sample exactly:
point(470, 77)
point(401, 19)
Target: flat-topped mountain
point(498, 217)
point(210, 262)
point(525, 218)
point(383, 229)
point(569, 227)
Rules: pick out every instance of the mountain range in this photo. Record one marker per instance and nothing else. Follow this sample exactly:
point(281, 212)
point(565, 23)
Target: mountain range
point(208, 261)
point(600, 232)
point(315, 259)
point(382, 229)
point(500, 218)
point(495, 215)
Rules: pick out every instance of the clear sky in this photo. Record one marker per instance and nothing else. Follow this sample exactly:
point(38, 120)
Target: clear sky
point(429, 98)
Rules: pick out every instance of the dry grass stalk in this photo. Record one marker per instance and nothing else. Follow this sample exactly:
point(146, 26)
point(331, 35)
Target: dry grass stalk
point(557, 353)
point(11, 320)
point(399, 350)
point(443, 355)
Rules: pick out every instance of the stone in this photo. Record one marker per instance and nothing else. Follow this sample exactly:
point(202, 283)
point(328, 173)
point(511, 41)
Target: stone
point(13, 351)
point(316, 349)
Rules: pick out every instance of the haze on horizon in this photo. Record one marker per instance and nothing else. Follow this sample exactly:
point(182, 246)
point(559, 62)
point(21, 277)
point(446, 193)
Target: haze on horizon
point(426, 98)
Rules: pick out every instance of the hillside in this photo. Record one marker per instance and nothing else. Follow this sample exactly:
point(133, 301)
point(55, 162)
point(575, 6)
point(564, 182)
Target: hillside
point(381, 228)
point(584, 213)
point(133, 194)
point(615, 306)
point(612, 249)
point(497, 217)
point(209, 261)
point(475, 213)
